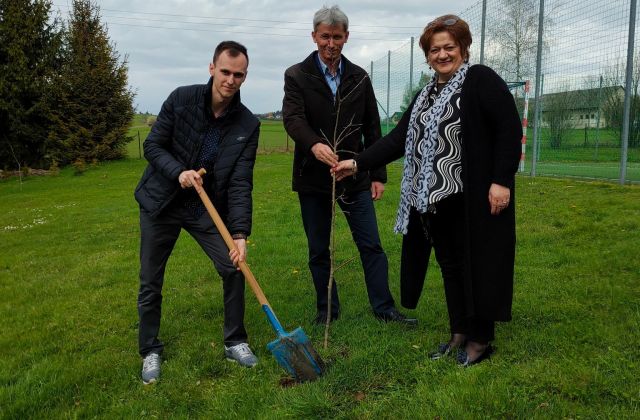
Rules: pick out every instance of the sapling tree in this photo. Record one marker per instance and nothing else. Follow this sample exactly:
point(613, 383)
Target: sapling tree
point(334, 142)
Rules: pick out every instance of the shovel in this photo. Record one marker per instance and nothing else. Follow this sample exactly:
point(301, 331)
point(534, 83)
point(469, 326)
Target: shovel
point(293, 351)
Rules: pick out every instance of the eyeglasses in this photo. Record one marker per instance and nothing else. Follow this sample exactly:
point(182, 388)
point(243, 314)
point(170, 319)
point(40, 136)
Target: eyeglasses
point(446, 22)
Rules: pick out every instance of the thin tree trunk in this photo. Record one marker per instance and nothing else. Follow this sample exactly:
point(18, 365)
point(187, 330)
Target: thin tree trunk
point(335, 143)
point(13, 153)
point(332, 242)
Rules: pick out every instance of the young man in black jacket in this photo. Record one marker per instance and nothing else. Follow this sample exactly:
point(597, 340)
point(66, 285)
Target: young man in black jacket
point(199, 126)
point(325, 96)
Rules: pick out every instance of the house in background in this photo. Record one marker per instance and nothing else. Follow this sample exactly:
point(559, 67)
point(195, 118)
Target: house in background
point(581, 108)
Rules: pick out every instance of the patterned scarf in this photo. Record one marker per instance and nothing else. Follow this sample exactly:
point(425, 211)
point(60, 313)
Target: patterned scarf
point(418, 171)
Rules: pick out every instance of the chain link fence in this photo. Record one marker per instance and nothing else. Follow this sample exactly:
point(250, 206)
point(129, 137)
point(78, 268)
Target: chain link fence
point(579, 130)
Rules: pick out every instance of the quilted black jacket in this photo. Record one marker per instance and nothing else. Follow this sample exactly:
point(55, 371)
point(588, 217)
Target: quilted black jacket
point(173, 146)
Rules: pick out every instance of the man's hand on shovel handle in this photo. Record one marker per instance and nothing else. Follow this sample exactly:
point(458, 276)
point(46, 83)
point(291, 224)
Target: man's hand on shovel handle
point(238, 254)
point(193, 179)
point(188, 179)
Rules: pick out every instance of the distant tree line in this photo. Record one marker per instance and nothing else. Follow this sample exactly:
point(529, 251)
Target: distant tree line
point(64, 95)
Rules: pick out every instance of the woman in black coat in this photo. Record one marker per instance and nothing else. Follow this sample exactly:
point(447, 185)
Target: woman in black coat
point(461, 141)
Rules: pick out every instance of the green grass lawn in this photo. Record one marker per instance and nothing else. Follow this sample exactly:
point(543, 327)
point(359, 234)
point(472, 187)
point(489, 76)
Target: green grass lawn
point(68, 285)
point(581, 155)
point(576, 158)
point(273, 138)
point(138, 131)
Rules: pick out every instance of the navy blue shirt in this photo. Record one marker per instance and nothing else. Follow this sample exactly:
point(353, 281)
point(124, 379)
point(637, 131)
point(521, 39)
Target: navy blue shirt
point(206, 159)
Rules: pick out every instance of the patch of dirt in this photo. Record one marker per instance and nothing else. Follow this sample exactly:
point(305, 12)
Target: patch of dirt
point(359, 396)
point(287, 382)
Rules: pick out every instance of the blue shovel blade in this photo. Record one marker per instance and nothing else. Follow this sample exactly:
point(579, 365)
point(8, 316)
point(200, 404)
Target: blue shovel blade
point(294, 352)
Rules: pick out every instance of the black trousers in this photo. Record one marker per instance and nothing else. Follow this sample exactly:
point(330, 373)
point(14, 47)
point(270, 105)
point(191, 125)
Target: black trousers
point(361, 216)
point(158, 237)
point(446, 230)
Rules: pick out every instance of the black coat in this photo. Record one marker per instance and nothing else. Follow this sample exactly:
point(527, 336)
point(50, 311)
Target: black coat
point(308, 111)
point(491, 147)
point(173, 146)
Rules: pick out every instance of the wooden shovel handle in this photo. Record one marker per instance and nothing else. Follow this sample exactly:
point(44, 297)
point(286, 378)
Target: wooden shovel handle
point(217, 220)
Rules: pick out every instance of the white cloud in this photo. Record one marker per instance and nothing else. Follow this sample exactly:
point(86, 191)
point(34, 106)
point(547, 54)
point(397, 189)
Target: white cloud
point(170, 43)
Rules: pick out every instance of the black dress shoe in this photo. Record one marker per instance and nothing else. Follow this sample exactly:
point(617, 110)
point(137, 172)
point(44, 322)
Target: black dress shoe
point(464, 361)
point(393, 315)
point(321, 318)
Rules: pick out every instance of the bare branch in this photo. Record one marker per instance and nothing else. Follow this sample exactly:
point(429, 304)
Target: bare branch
point(354, 130)
point(366, 76)
point(13, 153)
point(346, 127)
point(324, 137)
point(346, 151)
point(344, 263)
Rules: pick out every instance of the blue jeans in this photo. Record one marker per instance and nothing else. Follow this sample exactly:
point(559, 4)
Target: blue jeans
point(361, 216)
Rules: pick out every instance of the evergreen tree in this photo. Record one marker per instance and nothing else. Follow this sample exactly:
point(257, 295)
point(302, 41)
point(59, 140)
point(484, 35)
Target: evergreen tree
point(29, 58)
point(93, 102)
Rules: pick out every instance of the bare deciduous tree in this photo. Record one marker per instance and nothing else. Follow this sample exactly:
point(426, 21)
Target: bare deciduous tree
point(613, 100)
point(513, 38)
point(557, 115)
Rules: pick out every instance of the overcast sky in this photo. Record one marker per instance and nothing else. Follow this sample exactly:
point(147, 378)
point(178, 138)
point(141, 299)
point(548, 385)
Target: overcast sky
point(170, 42)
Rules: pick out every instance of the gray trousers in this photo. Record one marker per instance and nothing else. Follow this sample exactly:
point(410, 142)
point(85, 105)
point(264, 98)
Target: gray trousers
point(158, 237)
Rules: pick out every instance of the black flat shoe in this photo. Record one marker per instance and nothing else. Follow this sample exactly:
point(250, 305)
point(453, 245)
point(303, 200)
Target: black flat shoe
point(393, 315)
point(463, 357)
point(444, 350)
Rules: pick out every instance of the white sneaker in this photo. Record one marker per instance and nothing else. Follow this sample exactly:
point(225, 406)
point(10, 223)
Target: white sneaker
point(242, 354)
point(151, 368)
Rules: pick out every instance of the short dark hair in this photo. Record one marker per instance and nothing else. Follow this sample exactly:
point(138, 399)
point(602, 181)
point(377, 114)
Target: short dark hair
point(233, 48)
point(457, 28)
